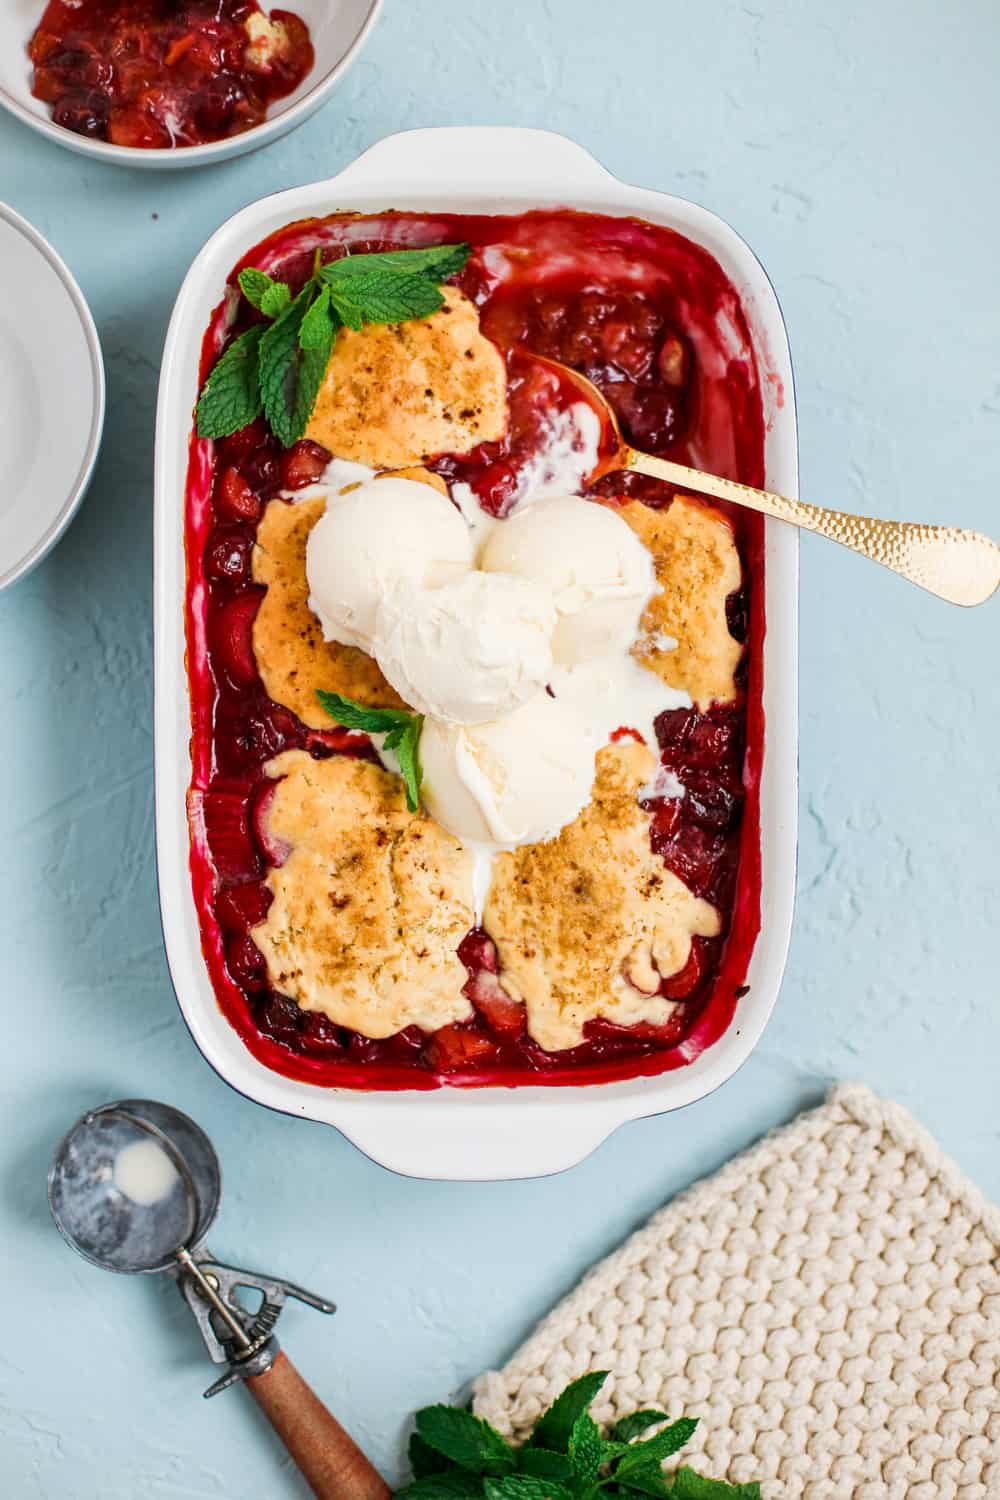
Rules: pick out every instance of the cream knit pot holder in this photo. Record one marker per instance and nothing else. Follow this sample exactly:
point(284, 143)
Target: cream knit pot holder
point(828, 1304)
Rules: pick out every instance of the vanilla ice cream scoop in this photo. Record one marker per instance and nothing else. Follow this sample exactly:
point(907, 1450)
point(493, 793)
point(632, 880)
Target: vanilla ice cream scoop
point(600, 574)
point(517, 780)
point(371, 538)
point(469, 651)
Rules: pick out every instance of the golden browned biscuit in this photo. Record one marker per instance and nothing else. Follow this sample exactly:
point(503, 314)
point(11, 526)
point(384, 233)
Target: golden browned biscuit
point(371, 904)
point(697, 566)
point(292, 657)
point(588, 923)
point(394, 394)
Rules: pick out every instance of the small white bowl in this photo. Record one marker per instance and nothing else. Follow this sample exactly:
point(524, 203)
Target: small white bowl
point(339, 29)
point(51, 396)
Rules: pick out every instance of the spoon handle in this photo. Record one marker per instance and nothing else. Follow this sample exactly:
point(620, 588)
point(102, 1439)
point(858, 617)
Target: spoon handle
point(960, 566)
point(329, 1460)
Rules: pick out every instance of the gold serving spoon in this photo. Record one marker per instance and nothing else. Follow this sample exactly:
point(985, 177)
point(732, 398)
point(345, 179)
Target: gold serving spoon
point(960, 566)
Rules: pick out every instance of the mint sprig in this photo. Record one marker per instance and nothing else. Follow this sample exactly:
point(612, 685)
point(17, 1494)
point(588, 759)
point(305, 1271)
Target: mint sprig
point(264, 293)
point(457, 1456)
point(230, 397)
point(401, 731)
point(279, 369)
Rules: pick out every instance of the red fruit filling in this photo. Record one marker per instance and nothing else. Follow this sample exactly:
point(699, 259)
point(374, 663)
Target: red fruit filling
point(162, 73)
point(631, 307)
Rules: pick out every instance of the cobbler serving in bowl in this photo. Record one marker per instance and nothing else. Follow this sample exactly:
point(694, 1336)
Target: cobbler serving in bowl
point(165, 73)
point(476, 742)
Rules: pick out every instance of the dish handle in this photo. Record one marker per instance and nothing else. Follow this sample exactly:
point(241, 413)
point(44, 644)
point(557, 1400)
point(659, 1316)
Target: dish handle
point(471, 158)
point(470, 1138)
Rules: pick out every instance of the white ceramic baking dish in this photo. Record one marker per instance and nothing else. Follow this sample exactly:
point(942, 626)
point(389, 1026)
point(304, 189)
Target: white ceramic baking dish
point(449, 1132)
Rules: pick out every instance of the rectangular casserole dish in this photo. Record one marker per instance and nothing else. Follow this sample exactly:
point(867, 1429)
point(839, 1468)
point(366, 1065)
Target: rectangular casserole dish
point(453, 1133)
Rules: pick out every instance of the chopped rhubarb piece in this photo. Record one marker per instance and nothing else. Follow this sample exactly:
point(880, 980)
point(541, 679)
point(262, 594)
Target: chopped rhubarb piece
point(240, 907)
point(504, 1016)
point(456, 1047)
point(246, 964)
point(227, 828)
point(275, 850)
point(678, 986)
point(231, 638)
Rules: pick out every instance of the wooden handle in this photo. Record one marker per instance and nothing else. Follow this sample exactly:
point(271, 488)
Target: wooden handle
point(331, 1463)
point(960, 566)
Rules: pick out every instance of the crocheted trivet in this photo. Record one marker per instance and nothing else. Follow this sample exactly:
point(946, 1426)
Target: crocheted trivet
point(828, 1304)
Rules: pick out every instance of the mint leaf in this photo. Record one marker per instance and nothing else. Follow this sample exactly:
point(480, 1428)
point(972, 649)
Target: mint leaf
point(586, 1448)
point(691, 1486)
point(378, 297)
point(347, 309)
point(290, 376)
point(656, 1448)
point(275, 300)
point(402, 734)
point(279, 362)
point(554, 1427)
point(407, 748)
point(524, 1487)
point(650, 1480)
point(359, 716)
point(264, 293)
point(542, 1464)
point(424, 1459)
point(253, 285)
point(313, 333)
point(465, 1439)
point(436, 261)
point(312, 368)
point(455, 1485)
point(230, 397)
point(630, 1427)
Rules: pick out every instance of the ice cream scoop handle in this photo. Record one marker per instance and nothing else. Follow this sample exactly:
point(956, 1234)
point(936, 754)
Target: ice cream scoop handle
point(329, 1460)
point(960, 566)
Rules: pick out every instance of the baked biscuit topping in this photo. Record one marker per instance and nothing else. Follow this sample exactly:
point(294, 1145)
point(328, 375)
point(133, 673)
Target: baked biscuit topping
point(697, 567)
point(371, 903)
point(396, 394)
point(292, 657)
point(588, 923)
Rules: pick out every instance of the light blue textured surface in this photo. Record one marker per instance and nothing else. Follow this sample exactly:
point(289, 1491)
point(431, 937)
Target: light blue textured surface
point(855, 148)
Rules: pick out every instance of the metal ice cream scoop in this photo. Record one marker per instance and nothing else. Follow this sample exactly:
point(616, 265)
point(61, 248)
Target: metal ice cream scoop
point(135, 1187)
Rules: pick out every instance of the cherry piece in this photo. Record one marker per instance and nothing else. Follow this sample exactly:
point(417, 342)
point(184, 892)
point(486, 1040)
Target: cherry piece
point(235, 500)
point(303, 464)
point(227, 555)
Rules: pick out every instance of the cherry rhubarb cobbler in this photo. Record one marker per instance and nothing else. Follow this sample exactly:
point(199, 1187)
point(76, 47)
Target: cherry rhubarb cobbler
point(161, 73)
point(476, 743)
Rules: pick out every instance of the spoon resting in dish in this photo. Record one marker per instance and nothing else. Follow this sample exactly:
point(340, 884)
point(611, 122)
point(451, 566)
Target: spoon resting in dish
point(960, 566)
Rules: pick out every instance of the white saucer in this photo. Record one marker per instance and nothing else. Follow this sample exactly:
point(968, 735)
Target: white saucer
point(51, 397)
